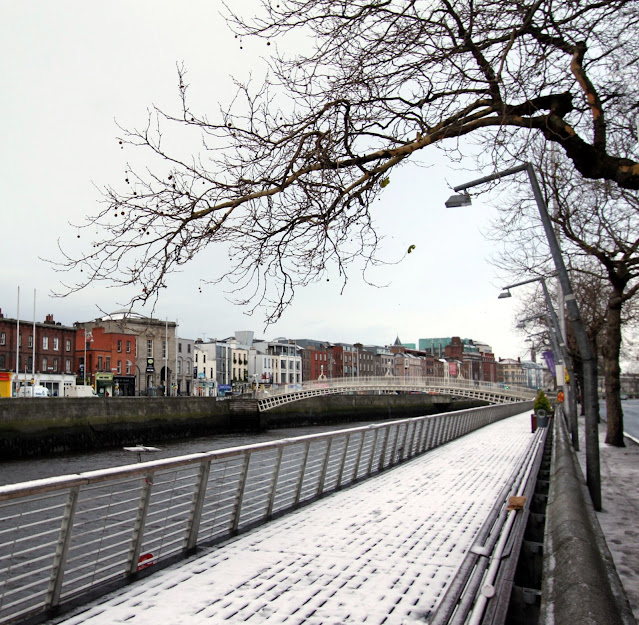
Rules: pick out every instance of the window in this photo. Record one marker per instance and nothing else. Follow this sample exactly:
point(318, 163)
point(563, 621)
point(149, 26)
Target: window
point(211, 376)
point(67, 345)
point(204, 359)
point(119, 345)
point(119, 367)
point(179, 348)
point(100, 363)
point(55, 364)
point(179, 367)
point(45, 342)
point(30, 363)
point(108, 363)
point(56, 344)
point(128, 347)
point(67, 365)
point(188, 348)
point(3, 338)
point(196, 354)
point(2, 361)
point(149, 348)
point(30, 341)
point(128, 367)
point(19, 340)
point(45, 364)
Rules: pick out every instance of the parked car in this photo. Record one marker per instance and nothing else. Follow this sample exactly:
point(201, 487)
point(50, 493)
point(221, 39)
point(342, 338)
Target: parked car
point(34, 391)
point(80, 391)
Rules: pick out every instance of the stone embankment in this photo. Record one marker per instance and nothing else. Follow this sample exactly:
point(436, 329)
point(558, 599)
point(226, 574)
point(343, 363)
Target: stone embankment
point(32, 427)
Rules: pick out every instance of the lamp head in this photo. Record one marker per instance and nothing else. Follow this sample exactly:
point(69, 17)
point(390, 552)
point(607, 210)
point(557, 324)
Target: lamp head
point(504, 294)
point(456, 201)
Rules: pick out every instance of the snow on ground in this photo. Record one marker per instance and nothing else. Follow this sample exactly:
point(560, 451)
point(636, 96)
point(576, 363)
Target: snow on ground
point(619, 516)
point(381, 551)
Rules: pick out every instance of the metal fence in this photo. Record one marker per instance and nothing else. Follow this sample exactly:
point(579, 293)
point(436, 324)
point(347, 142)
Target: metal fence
point(64, 538)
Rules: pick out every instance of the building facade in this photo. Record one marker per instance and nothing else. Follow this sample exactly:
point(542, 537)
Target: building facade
point(40, 353)
point(155, 348)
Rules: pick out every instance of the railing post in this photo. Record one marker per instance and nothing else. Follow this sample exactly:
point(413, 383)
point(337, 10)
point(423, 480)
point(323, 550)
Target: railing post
point(320, 485)
point(343, 460)
point(359, 454)
point(393, 456)
point(138, 528)
point(195, 514)
point(239, 497)
point(436, 427)
point(300, 479)
point(64, 540)
point(274, 479)
point(384, 446)
point(412, 438)
point(443, 433)
point(373, 448)
point(428, 436)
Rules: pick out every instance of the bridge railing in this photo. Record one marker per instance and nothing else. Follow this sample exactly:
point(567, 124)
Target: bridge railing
point(393, 383)
point(64, 538)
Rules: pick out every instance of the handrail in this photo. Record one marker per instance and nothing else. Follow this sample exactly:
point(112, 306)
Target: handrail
point(64, 537)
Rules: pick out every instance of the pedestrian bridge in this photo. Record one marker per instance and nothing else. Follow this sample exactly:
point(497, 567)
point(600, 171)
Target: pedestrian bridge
point(490, 392)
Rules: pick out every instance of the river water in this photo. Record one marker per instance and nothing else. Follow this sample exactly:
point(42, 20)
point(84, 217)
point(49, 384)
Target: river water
point(64, 464)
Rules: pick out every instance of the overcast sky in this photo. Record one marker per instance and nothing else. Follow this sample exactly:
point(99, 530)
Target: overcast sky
point(71, 69)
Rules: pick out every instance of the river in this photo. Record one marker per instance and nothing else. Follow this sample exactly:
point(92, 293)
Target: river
point(64, 464)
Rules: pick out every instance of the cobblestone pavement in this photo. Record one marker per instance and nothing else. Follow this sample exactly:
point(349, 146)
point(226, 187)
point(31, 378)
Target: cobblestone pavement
point(382, 551)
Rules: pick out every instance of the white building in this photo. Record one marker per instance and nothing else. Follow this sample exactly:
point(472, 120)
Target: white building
point(278, 360)
point(204, 370)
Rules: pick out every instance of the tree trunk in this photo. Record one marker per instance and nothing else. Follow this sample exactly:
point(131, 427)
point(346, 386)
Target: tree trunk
point(612, 372)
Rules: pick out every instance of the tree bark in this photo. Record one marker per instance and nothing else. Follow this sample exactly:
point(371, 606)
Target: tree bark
point(612, 372)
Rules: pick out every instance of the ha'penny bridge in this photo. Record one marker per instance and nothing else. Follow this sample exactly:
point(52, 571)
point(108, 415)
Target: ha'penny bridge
point(489, 392)
point(438, 519)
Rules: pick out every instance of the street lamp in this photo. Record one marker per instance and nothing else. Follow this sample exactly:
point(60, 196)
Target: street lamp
point(560, 348)
point(593, 477)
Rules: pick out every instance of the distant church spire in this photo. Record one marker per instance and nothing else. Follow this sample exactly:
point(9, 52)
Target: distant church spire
point(397, 342)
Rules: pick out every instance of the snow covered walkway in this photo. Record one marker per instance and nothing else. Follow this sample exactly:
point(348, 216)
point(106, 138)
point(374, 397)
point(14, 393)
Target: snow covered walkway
point(383, 551)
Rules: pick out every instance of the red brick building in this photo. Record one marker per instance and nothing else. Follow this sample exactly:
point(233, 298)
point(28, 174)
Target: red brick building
point(110, 360)
point(45, 353)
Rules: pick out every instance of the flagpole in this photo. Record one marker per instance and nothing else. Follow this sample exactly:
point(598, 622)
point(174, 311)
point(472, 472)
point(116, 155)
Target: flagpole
point(18, 344)
point(34, 340)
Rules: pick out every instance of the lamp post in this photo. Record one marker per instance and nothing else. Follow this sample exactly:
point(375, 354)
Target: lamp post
point(590, 399)
point(553, 323)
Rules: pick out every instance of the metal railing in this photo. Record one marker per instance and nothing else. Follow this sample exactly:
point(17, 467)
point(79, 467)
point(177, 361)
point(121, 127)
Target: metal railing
point(64, 538)
point(489, 391)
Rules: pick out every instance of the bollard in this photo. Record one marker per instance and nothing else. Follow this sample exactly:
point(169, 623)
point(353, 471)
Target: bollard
point(533, 422)
point(542, 418)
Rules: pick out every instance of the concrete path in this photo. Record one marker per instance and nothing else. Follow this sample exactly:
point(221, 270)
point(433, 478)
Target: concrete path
point(382, 551)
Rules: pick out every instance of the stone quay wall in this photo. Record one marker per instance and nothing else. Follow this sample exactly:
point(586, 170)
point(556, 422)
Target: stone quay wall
point(34, 427)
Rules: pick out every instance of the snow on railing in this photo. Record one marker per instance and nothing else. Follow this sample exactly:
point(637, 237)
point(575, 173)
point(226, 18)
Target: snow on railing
point(64, 537)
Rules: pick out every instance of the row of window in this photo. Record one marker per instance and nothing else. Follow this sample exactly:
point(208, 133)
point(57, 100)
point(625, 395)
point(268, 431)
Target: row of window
point(54, 367)
point(45, 342)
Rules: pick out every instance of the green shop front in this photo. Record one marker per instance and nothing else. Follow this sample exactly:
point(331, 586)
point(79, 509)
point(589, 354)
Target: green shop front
point(104, 384)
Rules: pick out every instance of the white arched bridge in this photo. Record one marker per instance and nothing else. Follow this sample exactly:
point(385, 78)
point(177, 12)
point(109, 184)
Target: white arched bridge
point(490, 392)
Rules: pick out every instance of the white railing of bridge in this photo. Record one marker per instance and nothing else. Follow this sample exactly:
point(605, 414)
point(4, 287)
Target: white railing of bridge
point(64, 538)
point(489, 391)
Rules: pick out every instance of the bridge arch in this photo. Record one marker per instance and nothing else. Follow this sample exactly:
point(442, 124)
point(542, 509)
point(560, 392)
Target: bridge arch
point(489, 392)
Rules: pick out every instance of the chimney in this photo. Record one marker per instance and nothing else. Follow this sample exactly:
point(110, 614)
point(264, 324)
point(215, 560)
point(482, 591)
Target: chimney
point(48, 319)
point(1, 315)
